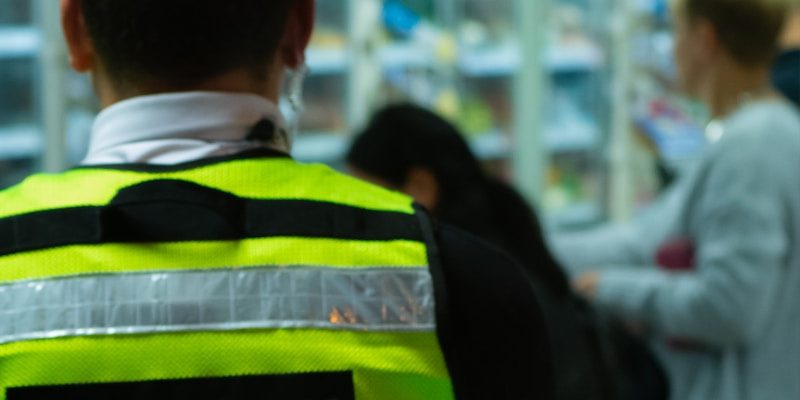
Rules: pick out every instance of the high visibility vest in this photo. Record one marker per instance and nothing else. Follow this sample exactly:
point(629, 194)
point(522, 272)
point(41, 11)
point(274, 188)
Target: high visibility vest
point(293, 279)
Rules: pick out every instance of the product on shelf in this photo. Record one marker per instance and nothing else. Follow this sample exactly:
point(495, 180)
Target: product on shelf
point(328, 38)
point(568, 127)
point(476, 117)
point(405, 25)
point(668, 122)
point(572, 195)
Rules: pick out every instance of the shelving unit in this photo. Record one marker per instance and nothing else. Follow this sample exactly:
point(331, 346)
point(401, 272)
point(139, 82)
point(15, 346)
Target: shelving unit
point(323, 147)
point(327, 61)
point(669, 127)
point(19, 42)
point(577, 128)
point(577, 215)
point(402, 56)
point(21, 140)
point(534, 85)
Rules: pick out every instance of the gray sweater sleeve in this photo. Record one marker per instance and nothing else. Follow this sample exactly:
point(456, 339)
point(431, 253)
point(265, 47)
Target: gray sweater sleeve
point(736, 217)
point(605, 246)
point(611, 246)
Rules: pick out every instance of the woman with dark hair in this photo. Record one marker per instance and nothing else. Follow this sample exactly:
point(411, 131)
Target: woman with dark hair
point(710, 271)
point(410, 149)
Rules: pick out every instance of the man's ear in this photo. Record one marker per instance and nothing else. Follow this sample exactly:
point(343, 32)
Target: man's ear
point(297, 35)
point(706, 34)
point(79, 43)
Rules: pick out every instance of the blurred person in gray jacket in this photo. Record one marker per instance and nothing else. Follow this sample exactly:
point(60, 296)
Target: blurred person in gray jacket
point(711, 272)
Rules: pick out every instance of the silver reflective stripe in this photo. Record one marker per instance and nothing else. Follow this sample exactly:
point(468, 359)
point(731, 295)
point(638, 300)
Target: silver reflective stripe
point(377, 299)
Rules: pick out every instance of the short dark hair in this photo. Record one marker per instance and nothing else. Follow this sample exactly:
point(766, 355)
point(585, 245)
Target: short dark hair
point(748, 29)
point(184, 42)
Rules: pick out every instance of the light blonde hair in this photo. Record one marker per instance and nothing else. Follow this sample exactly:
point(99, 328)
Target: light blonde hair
point(748, 29)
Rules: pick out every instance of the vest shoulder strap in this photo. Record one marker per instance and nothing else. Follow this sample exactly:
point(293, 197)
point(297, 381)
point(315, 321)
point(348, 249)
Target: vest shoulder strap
point(177, 211)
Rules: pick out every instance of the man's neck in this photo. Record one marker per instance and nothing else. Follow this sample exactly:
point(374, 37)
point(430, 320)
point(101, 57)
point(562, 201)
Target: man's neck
point(239, 81)
point(731, 85)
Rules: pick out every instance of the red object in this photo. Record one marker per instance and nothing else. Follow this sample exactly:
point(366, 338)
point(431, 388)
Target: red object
point(678, 256)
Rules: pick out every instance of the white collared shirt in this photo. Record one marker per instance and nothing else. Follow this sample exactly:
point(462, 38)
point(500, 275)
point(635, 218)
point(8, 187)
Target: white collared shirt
point(179, 127)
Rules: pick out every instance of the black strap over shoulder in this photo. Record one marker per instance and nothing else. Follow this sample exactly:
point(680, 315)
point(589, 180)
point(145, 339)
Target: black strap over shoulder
point(444, 324)
point(179, 211)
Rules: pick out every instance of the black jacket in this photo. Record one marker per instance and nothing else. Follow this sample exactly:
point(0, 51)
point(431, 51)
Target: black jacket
point(493, 335)
point(786, 75)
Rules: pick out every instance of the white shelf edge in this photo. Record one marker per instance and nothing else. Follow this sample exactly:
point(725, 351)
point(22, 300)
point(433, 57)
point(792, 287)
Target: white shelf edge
point(576, 214)
point(327, 61)
point(401, 55)
point(320, 147)
point(20, 142)
point(507, 60)
point(574, 58)
point(332, 148)
point(493, 145)
point(18, 42)
point(565, 139)
point(501, 60)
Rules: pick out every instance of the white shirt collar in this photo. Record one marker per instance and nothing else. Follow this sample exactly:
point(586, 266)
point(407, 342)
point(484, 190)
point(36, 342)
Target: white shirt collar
point(179, 127)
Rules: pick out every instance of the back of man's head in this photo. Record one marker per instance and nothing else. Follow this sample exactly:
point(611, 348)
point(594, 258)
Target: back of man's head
point(184, 42)
point(747, 29)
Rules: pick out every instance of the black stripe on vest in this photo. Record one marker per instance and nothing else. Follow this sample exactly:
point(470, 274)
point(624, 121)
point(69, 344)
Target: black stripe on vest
point(180, 211)
point(313, 386)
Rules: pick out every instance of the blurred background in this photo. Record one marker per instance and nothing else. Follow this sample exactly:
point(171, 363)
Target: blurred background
point(570, 100)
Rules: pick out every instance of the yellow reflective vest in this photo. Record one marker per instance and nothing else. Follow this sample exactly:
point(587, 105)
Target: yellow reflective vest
point(298, 280)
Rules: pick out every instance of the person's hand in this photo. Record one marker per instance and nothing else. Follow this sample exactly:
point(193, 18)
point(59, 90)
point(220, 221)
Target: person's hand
point(636, 328)
point(586, 285)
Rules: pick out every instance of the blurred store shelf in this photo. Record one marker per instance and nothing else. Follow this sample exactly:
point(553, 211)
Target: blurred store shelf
point(495, 61)
point(574, 58)
point(572, 136)
point(506, 59)
point(327, 61)
point(494, 145)
point(498, 60)
point(677, 141)
point(331, 148)
point(19, 142)
point(404, 56)
point(321, 147)
point(18, 42)
point(576, 215)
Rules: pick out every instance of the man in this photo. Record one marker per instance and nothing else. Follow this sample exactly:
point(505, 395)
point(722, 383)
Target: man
point(190, 258)
point(786, 71)
point(723, 308)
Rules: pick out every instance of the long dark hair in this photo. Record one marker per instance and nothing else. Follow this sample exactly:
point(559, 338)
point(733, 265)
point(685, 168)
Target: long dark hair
point(402, 137)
